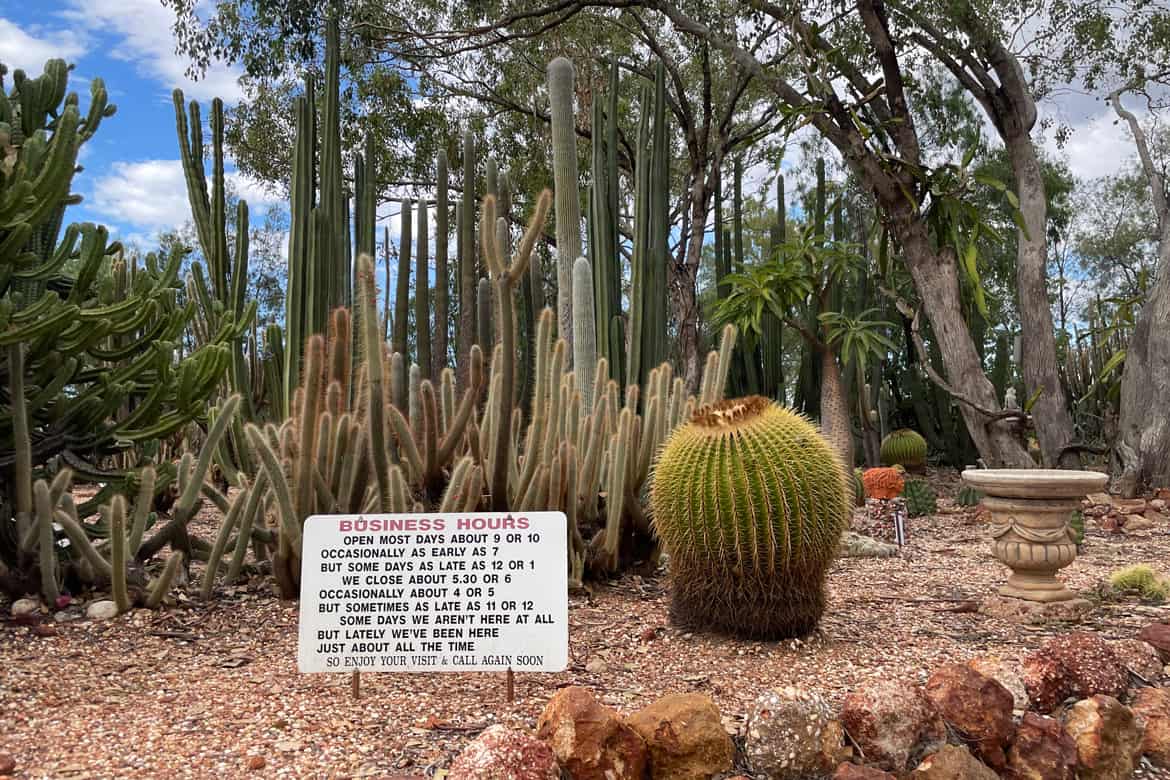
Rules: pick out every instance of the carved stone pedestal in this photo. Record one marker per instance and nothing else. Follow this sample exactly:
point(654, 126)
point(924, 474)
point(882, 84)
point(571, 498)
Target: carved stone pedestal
point(1030, 509)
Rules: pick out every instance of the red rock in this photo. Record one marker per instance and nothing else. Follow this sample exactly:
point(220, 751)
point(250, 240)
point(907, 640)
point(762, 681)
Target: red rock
point(792, 734)
point(1152, 705)
point(685, 736)
point(1139, 657)
point(1041, 751)
point(591, 740)
point(1004, 673)
point(7, 764)
point(952, 763)
point(892, 723)
point(977, 707)
point(1158, 635)
point(500, 753)
point(1108, 738)
point(255, 762)
point(849, 771)
point(1077, 664)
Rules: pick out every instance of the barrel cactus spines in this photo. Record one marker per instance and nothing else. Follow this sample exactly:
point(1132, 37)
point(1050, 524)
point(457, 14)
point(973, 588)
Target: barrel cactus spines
point(750, 544)
point(904, 447)
point(920, 498)
point(883, 483)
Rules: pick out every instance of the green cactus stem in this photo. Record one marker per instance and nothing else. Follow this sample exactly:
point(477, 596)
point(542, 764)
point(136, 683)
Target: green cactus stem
point(561, 78)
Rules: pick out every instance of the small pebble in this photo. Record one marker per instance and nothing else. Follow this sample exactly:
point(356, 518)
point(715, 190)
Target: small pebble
point(255, 762)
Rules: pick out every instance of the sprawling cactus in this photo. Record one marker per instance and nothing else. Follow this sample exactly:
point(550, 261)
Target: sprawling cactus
point(904, 447)
point(750, 503)
point(89, 338)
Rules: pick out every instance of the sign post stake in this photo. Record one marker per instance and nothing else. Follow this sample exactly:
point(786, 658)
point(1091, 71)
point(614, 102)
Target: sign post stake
point(355, 685)
point(511, 678)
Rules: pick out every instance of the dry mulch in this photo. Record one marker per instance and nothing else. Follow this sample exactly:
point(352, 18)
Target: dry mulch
point(211, 690)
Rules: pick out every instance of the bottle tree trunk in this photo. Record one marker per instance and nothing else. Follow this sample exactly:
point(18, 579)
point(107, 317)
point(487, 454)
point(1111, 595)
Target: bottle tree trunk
point(835, 418)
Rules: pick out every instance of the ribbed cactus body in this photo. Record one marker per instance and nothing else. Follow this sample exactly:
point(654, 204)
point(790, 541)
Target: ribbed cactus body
point(750, 503)
point(904, 447)
point(920, 498)
point(567, 197)
point(585, 328)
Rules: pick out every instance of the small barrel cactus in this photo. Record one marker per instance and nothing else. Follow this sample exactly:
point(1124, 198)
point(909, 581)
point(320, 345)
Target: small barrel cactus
point(904, 447)
point(968, 496)
point(749, 501)
point(920, 498)
point(884, 483)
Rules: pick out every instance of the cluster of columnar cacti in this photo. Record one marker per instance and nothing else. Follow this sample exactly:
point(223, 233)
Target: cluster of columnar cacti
point(904, 447)
point(394, 444)
point(319, 249)
point(750, 503)
point(90, 338)
point(968, 496)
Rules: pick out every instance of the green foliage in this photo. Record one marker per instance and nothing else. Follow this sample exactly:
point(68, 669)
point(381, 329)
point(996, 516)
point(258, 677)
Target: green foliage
point(920, 498)
point(1076, 524)
point(758, 572)
point(1140, 580)
point(904, 447)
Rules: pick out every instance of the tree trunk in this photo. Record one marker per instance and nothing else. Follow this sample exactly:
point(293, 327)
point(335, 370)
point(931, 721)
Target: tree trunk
point(1143, 442)
point(1144, 436)
point(1054, 424)
point(684, 279)
point(835, 418)
point(936, 278)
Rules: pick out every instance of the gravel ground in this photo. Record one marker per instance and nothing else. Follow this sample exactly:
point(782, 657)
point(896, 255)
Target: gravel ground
point(211, 690)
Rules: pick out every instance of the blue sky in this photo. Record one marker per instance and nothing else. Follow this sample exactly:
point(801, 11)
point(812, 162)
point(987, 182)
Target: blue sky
point(133, 182)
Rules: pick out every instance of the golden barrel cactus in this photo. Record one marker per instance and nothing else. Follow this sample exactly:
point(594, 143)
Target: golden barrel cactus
point(749, 501)
point(904, 447)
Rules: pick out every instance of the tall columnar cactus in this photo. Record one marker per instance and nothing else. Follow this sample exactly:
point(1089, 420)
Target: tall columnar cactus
point(442, 306)
point(603, 236)
point(648, 319)
point(319, 276)
point(565, 183)
point(904, 447)
point(400, 328)
point(422, 305)
point(468, 277)
point(584, 326)
point(750, 544)
point(508, 276)
point(772, 339)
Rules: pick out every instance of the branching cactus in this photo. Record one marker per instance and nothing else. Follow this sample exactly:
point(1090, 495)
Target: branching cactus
point(750, 503)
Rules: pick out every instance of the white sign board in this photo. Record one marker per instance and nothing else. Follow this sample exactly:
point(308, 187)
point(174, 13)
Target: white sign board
point(434, 593)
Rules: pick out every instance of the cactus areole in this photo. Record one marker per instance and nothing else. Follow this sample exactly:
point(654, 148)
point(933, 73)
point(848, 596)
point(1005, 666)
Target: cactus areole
point(749, 501)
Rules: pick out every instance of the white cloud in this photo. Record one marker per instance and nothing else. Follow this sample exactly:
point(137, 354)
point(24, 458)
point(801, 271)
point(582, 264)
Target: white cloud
point(143, 30)
point(151, 195)
point(1097, 146)
point(29, 48)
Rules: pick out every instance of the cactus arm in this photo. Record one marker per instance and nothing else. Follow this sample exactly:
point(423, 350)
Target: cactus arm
point(46, 543)
point(118, 553)
point(422, 309)
point(162, 586)
point(231, 519)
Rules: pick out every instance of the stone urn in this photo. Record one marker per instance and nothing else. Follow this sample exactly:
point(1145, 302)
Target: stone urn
point(1030, 510)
